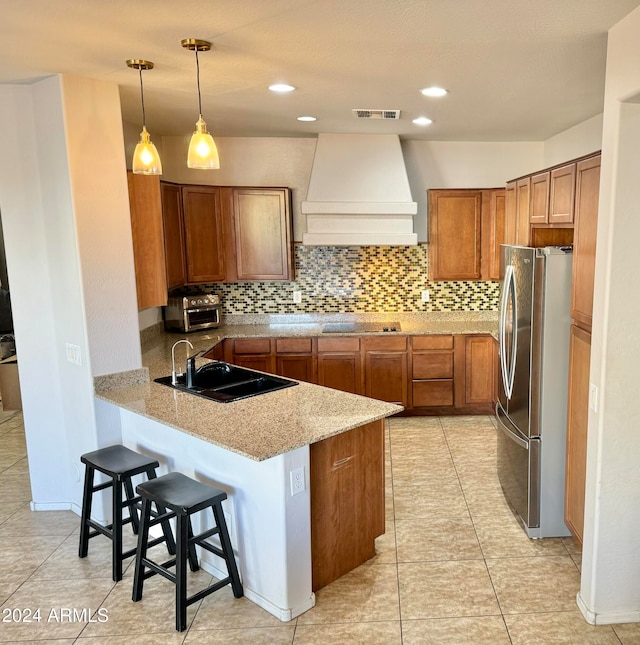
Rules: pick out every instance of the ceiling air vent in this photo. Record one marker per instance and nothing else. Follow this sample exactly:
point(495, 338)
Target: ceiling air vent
point(376, 114)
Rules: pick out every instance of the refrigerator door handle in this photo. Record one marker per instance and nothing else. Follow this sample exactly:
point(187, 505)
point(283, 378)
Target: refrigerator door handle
point(510, 433)
point(508, 294)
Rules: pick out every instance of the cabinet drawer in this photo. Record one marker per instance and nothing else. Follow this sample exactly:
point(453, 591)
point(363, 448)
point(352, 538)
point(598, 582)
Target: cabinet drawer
point(338, 344)
point(385, 343)
point(432, 342)
point(293, 345)
point(433, 365)
point(432, 393)
point(252, 346)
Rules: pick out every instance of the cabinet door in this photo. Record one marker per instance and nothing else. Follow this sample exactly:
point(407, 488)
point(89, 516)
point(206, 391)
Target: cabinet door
point(562, 194)
point(296, 366)
point(584, 251)
point(511, 214)
point(577, 420)
point(341, 371)
point(386, 369)
point(523, 195)
point(474, 371)
point(148, 239)
point(254, 353)
point(347, 501)
point(203, 234)
point(539, 201)
point(173, 221)
point(497, 232)
point(455, 220)
point(262, 220)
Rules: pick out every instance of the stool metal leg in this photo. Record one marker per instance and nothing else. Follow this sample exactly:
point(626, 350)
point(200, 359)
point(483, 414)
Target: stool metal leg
point(227, 549)
point(141, 550)
point(182, 547)
point(117, 529)
point(87, 498)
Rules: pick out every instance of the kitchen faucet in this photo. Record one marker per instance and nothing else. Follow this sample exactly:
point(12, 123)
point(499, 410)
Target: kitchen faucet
point(174, 376)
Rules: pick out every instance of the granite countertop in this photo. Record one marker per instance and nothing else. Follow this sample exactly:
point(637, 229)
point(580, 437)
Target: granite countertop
point(273, 423)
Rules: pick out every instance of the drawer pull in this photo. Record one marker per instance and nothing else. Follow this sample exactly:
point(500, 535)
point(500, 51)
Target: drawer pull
point(340, 462)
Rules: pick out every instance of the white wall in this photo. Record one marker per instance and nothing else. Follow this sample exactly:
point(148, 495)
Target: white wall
point(65, 211)
point(611, 555)
point(582, 139)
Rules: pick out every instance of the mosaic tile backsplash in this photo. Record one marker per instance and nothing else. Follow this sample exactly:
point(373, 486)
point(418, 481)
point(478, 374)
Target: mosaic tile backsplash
point(358, 279)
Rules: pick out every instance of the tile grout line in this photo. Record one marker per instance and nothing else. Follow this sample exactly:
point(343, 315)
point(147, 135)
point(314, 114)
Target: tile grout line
point(395, 536)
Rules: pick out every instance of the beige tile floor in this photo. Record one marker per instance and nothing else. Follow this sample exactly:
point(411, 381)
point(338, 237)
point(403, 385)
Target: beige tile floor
point(453, 567)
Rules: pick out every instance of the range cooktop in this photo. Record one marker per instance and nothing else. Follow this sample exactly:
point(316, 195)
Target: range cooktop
point(360, 327)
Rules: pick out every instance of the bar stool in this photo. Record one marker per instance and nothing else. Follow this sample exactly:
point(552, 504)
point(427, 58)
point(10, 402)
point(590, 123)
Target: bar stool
point(120, 464)
point(184, 496)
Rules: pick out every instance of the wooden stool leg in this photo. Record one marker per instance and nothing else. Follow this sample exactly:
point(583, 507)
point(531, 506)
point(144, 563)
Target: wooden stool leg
point(87, 499)
point(191, 552)
point(166, 526)
point(141, 550)
point(227, 549)
point(117, 529)
point(182, 547)
point(133, 511)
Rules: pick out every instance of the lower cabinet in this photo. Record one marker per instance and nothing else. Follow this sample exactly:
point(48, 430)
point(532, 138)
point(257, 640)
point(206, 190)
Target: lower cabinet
point(577, 420)
point(430, 374)
point(476, 361)
point(431, 371)
point(347, 501)
point(385, 368)
point(294, 359)
point(339, 364)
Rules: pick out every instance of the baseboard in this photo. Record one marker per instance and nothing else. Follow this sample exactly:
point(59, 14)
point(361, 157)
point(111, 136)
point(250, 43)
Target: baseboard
point(51, 506)
point(608, 618)
point(285, 615)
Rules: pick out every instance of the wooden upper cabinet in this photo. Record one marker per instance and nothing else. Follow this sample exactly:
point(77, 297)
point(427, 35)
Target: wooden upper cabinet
point(562, 194)
point(455, 220)
point(584, 251)
point(262, 220)
point(176, 267)
point(148, 239)
point(204, 242)
point(523, 193)
point(539, 198)
point(497, 232)
point(511, 213)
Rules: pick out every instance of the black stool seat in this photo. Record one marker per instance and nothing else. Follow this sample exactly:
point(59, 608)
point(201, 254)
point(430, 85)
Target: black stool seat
point(118, 461)
point(183, 496)
point(120, 464)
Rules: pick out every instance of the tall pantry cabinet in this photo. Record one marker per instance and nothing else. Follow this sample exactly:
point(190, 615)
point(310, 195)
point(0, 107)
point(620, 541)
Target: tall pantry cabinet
point(587, 185)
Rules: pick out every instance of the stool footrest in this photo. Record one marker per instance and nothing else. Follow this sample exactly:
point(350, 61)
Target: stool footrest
point(95, 489)
point(203, 593)
point(162, 569)
point(212, 548)
point(206, 534)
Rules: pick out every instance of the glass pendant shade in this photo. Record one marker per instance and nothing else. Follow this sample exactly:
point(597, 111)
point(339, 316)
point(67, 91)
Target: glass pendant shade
point(203, 152)
point(146, 160)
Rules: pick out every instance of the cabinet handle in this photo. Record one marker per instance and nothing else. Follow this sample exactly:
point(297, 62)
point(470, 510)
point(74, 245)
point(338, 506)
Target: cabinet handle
point(344, 460)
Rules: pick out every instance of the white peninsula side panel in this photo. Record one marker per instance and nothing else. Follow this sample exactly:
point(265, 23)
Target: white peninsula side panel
point(270, 528)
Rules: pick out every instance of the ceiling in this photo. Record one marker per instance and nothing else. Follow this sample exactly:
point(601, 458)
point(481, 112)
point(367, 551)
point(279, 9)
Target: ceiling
point(516, 70)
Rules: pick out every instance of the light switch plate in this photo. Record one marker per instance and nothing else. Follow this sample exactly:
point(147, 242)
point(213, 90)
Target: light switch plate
point(425, 295)
point(297, 297)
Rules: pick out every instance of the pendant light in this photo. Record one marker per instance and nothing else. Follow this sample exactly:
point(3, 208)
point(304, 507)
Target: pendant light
point(203, 153)
point(146, 160)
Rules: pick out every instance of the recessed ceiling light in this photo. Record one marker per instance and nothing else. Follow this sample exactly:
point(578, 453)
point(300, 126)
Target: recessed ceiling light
point(307, 118)
point(433, 91)
point(422, 120)
point(281, 87)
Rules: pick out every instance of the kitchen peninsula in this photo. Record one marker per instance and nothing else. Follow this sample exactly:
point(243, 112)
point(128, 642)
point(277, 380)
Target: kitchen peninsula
point(258, 451)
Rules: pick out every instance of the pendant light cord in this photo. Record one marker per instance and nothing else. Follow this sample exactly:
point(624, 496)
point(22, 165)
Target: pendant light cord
point(144, 120)
point(198, 79)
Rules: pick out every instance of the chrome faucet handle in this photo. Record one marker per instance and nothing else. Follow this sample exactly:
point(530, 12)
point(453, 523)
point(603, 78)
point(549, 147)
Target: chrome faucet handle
point(174, 376)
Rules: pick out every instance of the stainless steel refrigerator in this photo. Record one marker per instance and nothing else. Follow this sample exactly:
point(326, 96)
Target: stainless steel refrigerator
point(531, 411)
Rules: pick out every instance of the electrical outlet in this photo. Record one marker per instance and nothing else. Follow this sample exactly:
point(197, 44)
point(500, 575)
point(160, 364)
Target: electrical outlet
point(425, 295)
point(297, 481)
point(297, 297)
point(73, 354)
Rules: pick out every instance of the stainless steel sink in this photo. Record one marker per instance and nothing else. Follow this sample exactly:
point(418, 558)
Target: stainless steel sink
point(222, 382)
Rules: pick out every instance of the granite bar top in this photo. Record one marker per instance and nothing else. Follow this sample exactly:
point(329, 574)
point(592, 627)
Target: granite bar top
point(277, 422)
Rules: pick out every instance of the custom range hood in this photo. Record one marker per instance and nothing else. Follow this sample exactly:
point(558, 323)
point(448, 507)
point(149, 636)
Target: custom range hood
point(359, 192)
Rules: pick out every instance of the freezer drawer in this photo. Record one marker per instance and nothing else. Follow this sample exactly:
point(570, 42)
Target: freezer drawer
point(519, 470)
